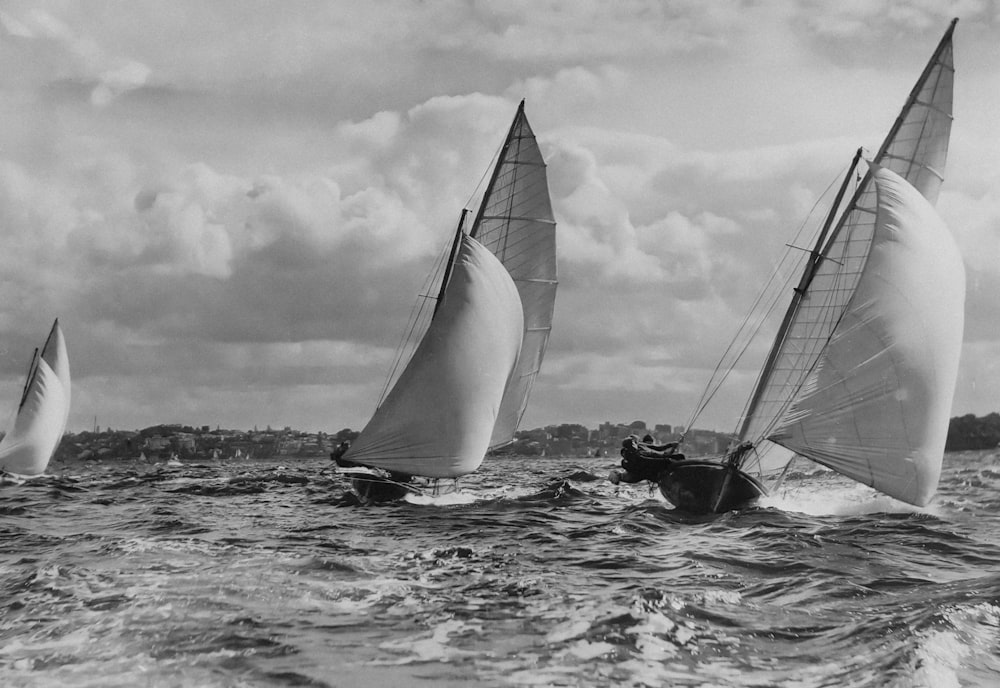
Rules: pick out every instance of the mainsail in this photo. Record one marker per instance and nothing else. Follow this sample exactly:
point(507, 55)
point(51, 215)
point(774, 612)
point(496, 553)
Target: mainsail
point(437, 419)
point(916, 149)
point(515, 222)
point(876, 404)
point(40, 419)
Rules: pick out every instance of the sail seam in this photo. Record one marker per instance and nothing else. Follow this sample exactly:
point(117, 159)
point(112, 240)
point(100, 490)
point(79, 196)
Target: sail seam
point(934, 108)
point(518, 217)
point(911, 161)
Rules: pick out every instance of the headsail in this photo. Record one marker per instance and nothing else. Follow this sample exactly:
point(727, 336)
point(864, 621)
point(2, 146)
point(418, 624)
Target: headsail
point(876, 405)
point(40, 419)
point(437, 419)
point(515, 222)
point(916, 148)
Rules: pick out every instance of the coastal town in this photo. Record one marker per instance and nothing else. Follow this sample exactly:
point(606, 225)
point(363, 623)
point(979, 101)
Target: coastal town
point(162, 442)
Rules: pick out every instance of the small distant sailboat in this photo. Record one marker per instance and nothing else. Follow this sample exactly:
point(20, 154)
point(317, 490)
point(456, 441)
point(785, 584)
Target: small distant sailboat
point(466, 386)
point(40, 419)
point(862, 372)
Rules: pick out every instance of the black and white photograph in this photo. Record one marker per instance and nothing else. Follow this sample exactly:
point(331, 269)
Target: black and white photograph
point(527, 343)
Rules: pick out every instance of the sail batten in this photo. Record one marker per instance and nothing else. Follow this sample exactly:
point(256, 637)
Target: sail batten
point(519, 219)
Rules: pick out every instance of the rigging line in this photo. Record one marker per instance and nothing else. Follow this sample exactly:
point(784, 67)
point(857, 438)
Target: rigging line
point(708, 396)
point(781, 478)
point(777, 377)
point(418, 314)
point(796, 313)
point(379, 479)
point(924, 122)
point(746, 345)
point(486, 173)
point(747, 339)
point(492, 191)
point(32, 371)
point(844, 281)
point(509, 189)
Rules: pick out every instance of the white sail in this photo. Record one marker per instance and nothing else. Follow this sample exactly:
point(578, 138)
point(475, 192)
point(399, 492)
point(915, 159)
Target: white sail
point(40, 420)
point(876, 406)
point(916, 148)
point(515, 222)
point(437, 419)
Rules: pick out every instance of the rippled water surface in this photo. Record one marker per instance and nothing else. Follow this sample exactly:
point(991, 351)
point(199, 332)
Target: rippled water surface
point(536, 573)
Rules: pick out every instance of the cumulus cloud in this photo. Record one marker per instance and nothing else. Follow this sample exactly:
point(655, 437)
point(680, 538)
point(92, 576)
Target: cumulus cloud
point(114, 82)
point(14, 27)
point(235, 213)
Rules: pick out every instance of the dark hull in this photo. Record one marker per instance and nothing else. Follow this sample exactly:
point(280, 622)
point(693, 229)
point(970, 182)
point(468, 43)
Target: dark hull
point(706, 487)
point(376, 489)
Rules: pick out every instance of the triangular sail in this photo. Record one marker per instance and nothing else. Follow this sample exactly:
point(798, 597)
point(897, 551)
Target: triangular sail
point(40, 420)
point(516, 223)
point(437, 419)
point(876, 405)
point(916, 148)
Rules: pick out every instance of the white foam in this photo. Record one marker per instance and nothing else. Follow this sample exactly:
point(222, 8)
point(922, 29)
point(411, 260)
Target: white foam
point(828, 497)
point(430, 649)
point(458, 497)
point(584, 649)
point(939, 656)
point(446, 499)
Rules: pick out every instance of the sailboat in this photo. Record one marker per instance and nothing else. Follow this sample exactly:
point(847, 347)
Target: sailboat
point(466, 386)
point(862, 372)
point(40, 419)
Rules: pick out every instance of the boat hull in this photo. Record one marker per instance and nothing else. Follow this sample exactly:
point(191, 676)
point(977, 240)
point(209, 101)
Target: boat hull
point(705, 487)
point(376, 489)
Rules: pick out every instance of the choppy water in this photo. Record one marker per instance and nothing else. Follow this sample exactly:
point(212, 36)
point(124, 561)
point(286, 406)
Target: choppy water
point(537, 573)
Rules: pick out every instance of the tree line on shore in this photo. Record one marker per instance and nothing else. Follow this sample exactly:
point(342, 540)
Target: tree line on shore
point(969, 432)
point(965, 433)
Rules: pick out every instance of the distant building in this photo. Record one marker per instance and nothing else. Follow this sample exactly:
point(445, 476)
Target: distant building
point(185, 441)
point(157, 442)
point(607, 431)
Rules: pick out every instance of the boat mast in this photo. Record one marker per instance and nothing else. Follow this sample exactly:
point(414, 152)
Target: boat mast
point(31, 376)
point(451, 260)
point(812, 265)
point(482, 206)
point(48, 340)
point(501, 158)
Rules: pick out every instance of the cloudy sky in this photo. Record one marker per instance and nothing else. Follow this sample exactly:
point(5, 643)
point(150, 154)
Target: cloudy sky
point(231, 206)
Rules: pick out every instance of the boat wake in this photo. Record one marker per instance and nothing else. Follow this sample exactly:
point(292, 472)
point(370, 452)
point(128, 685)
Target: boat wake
point(832, 497)
point(446, 499)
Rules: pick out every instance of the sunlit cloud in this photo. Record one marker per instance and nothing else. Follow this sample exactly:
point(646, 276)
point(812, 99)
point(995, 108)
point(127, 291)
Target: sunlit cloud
point(234, 213)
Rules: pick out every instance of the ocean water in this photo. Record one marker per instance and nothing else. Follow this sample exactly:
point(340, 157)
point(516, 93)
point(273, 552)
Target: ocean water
point(535, 573)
